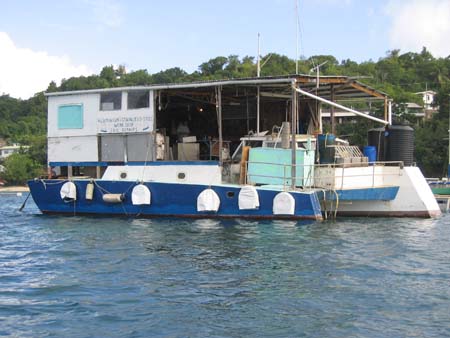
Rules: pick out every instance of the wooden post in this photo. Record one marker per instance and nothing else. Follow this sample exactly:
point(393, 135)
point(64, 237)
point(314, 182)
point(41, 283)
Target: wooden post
point(69, 172)
point(219, 120)
point(244, 159)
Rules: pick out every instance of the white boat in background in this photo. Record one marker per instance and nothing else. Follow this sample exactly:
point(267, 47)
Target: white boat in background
point(165, 150)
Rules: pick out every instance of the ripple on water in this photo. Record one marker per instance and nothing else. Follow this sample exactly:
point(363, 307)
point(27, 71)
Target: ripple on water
point(116, 277)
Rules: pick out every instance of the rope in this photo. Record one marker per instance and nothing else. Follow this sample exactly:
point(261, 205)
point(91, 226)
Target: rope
point(45, 184)
point(25, 202)
point(104, 191)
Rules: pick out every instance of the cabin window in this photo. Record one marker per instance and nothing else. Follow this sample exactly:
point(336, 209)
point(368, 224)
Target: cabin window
point(70, 116)
point(111, 101)
point(138, 99)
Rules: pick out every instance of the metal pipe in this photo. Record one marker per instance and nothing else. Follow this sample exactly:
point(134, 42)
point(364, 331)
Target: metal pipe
point(390, 112)
point(258, 60)
point(340, 106)
point(294, 129)
point(177, 86)
point(258, 108)
point(333, 122)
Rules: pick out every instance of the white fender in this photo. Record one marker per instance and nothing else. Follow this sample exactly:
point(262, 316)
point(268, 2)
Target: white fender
point(248, 198)
point(113, 198)
point(283, 204)
point(141, 195)
point(208, 201)
point(89, 191)
point(68, 191)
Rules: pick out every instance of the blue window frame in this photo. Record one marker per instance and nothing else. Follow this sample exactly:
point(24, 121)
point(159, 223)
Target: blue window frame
point(70, 116)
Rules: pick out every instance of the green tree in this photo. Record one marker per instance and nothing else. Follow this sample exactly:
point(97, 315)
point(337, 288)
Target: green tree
point(170, 75)
point(19, 168)
point(137, 78)
point(277, 64)
point(213, 66)
point(399, 75)
point(38, 149)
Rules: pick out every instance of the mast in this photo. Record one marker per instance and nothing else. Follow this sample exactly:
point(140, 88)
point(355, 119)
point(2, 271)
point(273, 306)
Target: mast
point(296, 36)
point(258, 91)
point(258, 60)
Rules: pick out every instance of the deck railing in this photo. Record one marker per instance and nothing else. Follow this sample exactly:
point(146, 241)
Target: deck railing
point(313, 177)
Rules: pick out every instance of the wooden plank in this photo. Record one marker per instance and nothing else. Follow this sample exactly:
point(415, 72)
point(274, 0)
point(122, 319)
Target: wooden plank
point(367, 90)
point(244, 159)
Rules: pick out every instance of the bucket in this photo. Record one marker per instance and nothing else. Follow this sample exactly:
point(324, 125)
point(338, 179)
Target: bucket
point(326, 153)
point(371, 153)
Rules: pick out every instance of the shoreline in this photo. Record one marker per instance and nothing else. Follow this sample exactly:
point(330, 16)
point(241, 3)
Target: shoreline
point(14, 188)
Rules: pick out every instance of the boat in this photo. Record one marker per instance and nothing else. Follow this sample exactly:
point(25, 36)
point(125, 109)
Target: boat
point(237, 148)
point(440, 187)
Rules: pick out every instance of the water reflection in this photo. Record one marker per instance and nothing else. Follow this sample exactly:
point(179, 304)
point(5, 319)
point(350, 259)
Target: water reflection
point(88, 276)
point(208, 224)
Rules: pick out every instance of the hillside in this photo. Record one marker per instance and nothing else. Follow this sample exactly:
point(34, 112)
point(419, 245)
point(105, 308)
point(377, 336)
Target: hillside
point(399, 75)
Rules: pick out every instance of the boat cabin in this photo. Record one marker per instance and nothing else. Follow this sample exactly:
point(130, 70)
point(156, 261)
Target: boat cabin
point(207, 124)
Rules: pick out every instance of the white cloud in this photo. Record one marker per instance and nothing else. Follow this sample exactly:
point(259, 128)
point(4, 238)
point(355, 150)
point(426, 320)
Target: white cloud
point(23, 72)
point(106, 12)
point(419, 23)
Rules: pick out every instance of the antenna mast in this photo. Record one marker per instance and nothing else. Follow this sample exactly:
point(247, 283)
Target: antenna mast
point(296, 36)
point(317, 69)
point(258, 60)
point(258, 93)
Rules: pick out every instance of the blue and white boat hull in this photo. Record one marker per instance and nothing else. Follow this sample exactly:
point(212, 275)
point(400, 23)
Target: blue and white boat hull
point(167, 200)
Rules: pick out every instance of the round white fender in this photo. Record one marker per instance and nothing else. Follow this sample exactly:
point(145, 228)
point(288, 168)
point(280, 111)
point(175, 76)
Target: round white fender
point(283, 204)
point(248, 198)
point(68, 191)
point(141, 195)
point(208, 201)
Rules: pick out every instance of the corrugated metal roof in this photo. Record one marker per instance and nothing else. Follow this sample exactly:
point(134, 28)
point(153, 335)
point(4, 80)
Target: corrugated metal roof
point(344, 86)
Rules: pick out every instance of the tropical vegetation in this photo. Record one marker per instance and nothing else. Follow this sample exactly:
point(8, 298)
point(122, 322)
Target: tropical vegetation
point(398, 75)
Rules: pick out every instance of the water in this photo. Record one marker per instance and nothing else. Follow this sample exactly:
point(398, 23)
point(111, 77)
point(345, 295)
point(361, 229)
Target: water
point(109, 277)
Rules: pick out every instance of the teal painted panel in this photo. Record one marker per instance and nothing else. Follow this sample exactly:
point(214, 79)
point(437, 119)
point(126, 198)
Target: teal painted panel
point(273, 166)
point(70, 116)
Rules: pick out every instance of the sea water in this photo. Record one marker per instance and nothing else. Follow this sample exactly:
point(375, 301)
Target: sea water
point(120, 277)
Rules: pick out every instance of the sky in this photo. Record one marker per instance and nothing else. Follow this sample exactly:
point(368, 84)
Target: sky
point(43, 41)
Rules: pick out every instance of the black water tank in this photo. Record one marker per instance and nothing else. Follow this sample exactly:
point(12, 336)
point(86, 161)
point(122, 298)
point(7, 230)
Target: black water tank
point(400, 144)
point(376, 137)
